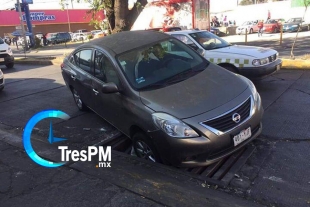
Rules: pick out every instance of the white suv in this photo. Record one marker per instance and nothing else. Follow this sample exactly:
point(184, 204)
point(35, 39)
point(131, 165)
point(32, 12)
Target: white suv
point(79, 37)
point(6, 55)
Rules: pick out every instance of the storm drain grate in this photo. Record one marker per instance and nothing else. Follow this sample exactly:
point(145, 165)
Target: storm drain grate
point(219, 173)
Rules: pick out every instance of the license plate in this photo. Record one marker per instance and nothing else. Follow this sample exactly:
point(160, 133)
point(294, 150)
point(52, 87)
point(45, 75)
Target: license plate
point(243, 135)
point(278, 67)
point(1, 59)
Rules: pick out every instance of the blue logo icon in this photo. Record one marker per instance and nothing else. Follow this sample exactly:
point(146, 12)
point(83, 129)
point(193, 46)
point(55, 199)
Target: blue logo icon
point(27, 136)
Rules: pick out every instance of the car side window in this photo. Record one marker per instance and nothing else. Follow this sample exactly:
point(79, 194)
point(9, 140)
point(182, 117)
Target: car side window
point(83, 60)
point(186, 40)
point(104, 69)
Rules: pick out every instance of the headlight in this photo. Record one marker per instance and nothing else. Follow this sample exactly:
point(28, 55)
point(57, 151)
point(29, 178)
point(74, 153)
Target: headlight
point(9, 50)
point(264, 61)
point(255, 94)
point(1, 74)
point(258, 62)
point(277, 55)
point(172, 126)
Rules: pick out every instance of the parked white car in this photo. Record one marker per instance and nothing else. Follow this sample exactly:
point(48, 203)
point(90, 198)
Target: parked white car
point(249, 26)
point(249, 61)
point(79, 37)
point(6, 56)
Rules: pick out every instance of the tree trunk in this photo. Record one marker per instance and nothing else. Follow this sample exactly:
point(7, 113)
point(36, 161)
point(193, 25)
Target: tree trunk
point(120, 11)
point(292, 50)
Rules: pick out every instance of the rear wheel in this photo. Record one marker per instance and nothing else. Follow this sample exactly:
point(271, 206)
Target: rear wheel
point(78, 101)
point(144, 148)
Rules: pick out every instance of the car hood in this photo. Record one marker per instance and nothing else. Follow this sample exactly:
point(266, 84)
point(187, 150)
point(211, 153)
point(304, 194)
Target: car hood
point(203, 92)
point(255, 52)
point(244, 26)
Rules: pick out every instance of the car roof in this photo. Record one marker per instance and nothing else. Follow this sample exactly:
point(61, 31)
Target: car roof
point(127, 40)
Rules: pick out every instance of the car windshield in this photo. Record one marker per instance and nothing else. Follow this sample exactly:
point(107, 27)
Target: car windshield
point(209, 41)
point(1, 41)
point(160, 64)
point(246, 23)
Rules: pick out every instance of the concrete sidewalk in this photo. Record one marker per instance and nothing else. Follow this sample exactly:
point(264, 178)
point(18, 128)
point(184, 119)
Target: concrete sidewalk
point(128, 182)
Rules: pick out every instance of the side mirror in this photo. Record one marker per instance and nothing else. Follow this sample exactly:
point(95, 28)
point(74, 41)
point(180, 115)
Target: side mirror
point(201, 51)
point(109, 88)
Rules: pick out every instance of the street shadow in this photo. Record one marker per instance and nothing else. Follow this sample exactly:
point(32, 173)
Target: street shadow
point(301, 47)
point(20, 67)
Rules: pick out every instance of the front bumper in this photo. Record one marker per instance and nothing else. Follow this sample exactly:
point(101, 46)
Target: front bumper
point(1, 80)
point(208, 147)
point(6, 59)
point(260, 71)
point(290, 29)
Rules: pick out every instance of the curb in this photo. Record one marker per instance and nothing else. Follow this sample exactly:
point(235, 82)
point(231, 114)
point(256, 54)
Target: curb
point(38, 61)
point(295, 64)
point(286, 63)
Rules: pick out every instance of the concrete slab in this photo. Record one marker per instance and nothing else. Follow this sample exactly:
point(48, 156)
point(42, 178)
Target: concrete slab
point(283, 180)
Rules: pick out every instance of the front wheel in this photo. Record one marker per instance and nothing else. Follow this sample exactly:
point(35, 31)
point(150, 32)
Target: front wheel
point(230, 68)
point(78, 101)
point(144, 148)
point(9, 65)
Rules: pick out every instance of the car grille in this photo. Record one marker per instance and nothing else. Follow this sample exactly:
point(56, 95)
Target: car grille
point(2, 50)
point(225, 122)
point(272, 58)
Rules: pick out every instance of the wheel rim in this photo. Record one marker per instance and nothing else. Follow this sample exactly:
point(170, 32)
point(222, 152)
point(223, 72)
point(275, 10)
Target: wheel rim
point(144, 151)
point(77, 99)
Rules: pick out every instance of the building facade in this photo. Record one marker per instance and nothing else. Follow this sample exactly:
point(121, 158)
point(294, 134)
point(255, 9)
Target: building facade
point(48, 21)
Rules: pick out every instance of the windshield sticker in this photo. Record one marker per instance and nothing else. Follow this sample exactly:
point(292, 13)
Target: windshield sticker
point(140, 80)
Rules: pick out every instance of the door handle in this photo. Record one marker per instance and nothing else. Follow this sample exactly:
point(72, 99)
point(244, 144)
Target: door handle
point(73, 77)
point(95, 91)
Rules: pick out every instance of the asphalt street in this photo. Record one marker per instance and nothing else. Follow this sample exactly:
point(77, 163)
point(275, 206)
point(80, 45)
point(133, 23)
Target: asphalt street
point(275, 175)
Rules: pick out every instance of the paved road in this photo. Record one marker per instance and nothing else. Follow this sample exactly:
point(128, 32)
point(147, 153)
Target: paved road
point(301, 48)
point(275, 175)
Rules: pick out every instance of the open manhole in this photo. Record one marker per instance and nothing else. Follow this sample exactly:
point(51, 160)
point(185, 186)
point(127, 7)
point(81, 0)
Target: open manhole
point(219, 173)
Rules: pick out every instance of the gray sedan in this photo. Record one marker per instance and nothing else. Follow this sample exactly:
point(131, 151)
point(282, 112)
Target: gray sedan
point(177, 107)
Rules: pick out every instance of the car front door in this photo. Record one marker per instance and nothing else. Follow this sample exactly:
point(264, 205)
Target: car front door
point(81, 75)
point(111, 106)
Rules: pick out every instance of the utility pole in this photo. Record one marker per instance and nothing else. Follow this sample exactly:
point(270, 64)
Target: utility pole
point(22, 25)
point(68, 17)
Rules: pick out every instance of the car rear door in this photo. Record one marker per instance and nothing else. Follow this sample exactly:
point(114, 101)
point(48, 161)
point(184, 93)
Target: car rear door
point(80, 74)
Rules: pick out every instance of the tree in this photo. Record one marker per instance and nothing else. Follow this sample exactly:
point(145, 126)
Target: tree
point(115, 11)
point(306, 4)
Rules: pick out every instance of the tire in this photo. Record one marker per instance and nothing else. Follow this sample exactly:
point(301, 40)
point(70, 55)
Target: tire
point(251, 31)
point(275, 30)
point(78, 101)
point(230, 68)
point(9, 65)
point(144, 148)
point(81, 39)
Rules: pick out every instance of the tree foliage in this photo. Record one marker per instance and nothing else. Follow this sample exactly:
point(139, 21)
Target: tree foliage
point(116, 12)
